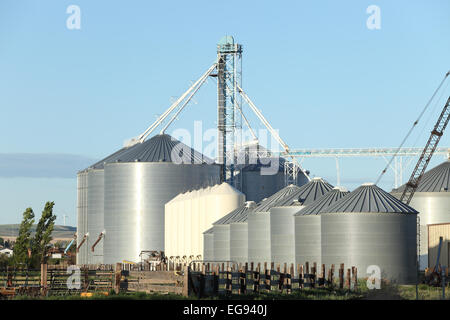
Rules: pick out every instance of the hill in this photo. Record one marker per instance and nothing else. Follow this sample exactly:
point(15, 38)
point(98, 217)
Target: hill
point(59, 232)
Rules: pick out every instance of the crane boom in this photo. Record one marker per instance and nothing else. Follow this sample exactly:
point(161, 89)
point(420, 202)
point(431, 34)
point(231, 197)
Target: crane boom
point(426, 155)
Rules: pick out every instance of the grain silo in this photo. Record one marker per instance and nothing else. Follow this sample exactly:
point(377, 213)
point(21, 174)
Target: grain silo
point(258, 221)
point(239, 236)
point(432, 200)
point(137, 185)
point(370, 227)
point(221, 232)
point(195, 212)
point(308, 227)
point(264, 174)
point(282, 225)
point(90, 208)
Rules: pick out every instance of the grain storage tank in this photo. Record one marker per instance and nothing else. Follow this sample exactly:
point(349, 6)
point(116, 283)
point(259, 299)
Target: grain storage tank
point(239, 235)
point(221, 232)
point(432, 200)
point(308, 227)
point(258, 220)
point(90, 207)
point(208, 245)
point(194, 217)
point(282, 225)
point(256, 185)
point(371, 227)
point(264, 174)
point(138, 184)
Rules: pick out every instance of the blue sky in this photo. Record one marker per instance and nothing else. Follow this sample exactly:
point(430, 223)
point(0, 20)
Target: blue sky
point(70, 97)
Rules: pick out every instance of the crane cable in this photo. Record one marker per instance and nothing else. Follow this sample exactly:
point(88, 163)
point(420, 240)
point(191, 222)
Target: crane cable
point(412, 128)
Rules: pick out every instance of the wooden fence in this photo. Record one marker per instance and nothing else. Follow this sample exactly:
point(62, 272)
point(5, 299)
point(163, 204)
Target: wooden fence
point(223, 280)
point(197, 278)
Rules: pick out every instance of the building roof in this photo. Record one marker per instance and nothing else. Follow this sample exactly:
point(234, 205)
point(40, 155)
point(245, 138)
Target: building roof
point(159, 148)
point(238, 215)
point(209, 231)
point(369, 198)
point(434, 180)
point(306, 194)
point(324, 202)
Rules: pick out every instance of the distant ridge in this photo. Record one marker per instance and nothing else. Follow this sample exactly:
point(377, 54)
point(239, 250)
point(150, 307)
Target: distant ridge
point(59, 232)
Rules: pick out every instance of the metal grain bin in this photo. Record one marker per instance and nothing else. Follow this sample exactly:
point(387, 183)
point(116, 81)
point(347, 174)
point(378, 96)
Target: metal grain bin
point(282, 226)
point(138, 185)
point(258, 178)
point(432, 200)
point(308, 227)
point(222, 234)
point(370, 227)
point(259, 226)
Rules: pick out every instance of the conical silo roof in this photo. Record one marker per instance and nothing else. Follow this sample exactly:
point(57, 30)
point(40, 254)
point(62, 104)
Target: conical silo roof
point(434, 180)
point(236, 215)
point(324, 202)
point(209, 231)
point(369, 198)
point(273, 200)
point(307, 193)
point(159, 148)
point(225, 188)
point(111, 158)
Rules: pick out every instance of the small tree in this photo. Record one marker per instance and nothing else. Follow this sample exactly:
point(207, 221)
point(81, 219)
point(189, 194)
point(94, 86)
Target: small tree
point(43, 234)
point(23, 240)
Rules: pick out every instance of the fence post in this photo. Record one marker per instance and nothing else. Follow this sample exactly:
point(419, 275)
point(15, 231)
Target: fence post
point(330, 276)
point(186, 275)
point(348, 280)
point(118, 275)
point(341, 276)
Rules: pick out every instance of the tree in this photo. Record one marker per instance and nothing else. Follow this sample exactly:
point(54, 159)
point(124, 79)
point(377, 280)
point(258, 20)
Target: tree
point(2, 241)
point(22, 244)
point(43, 234)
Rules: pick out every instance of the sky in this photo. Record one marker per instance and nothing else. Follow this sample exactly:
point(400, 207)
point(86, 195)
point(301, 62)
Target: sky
point(69, 97)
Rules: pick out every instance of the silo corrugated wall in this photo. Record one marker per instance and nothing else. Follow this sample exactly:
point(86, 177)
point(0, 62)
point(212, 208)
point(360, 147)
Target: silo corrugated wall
point(82, 194)
point(239, 242)
point(259, 237)
point(282, 234)
point(386, 240)
point(135, 195)
point(221, 242)
point(308, 239)
point(95, 200)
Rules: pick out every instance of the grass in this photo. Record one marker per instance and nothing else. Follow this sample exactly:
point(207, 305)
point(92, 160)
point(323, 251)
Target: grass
point(388, 291)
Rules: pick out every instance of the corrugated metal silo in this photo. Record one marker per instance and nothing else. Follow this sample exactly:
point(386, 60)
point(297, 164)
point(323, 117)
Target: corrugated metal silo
point(194, 217)
point(432, 200)
point(88, 203)
point(222, 234)
point(137, 186)
point(259, 226)
point(257, 185)
point(370, 227)
point(308, 227)
point(282, 224)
